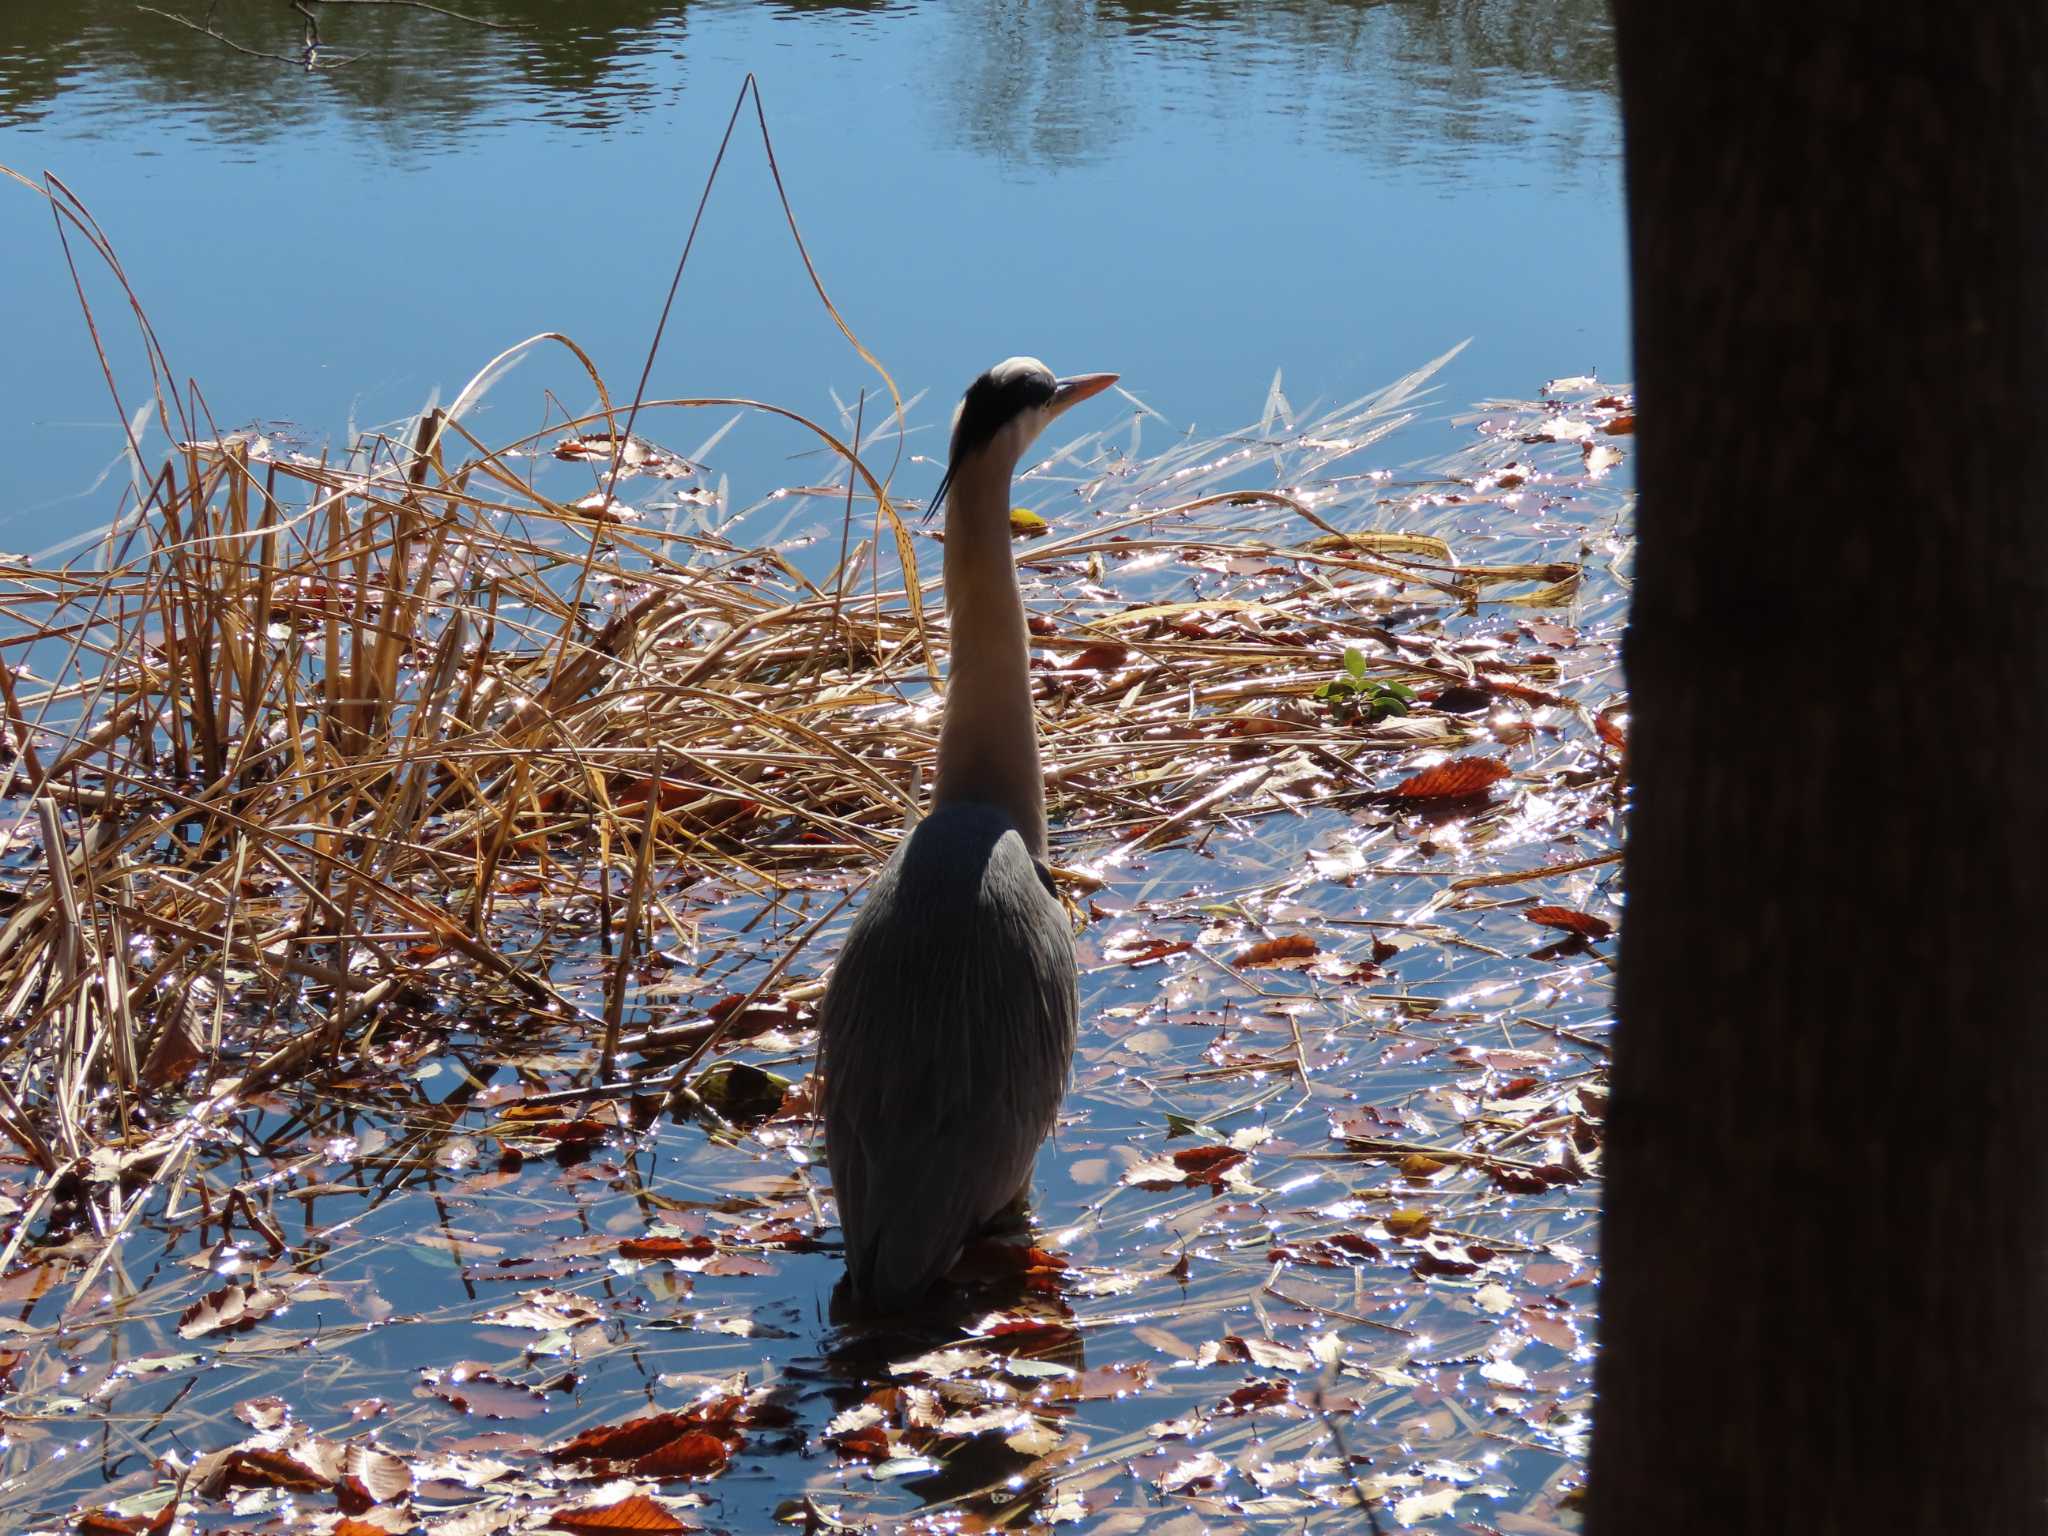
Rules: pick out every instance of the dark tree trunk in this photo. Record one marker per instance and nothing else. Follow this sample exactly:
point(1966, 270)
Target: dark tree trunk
point(1826, 1242)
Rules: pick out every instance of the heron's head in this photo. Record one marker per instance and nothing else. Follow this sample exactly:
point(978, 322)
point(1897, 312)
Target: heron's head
point(1003, 412)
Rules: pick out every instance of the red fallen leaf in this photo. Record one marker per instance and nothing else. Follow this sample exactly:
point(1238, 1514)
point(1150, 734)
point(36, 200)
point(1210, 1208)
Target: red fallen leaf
point(1257, 1394)
point(1582, 923)
point(1339, 1251)
point(1457, 779)
point(577, 1133)
point(1437, 1264)
point(637, 1513)
point(667, 1248)
point(1149, 952)
point(718, 1413)
point(1028, 1336)
point(347, 1527)
point(1528, 695)
point(1515, 1087)
point(1257, 725)
point(1040, 625)
point(1206, 1163)
point(1621, 426)
point(1610, 728)
point(101, 1522)
point(774, 1234)
point(631, 793)
point(1290, 946)
point(1103, 656)
point(624, 1441)
point(869, 1444)
point(696, 1454)
point(763, 1015)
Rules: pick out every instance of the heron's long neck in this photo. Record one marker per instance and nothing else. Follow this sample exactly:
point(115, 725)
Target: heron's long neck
point(988, 744)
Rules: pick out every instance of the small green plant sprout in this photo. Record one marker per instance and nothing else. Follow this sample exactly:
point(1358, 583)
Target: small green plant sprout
point(1355, 699)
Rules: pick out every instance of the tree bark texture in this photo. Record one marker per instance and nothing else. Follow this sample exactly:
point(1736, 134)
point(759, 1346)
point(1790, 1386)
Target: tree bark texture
point(1824, 1258)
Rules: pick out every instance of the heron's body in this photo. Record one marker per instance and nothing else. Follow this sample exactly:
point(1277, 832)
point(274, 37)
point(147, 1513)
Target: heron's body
point(947, 1030)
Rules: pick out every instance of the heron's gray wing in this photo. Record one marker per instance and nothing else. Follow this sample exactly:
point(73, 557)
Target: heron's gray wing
point(947, 1035)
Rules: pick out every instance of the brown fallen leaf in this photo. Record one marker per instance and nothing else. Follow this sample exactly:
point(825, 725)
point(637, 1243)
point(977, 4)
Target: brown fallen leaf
point(1199, 1471)
point(626, 1440)
point(666, 1248)
point(1290, 946)
point(698, 1453)
point(1408, 1223)
point(636, 1513)
point(231, 1309)
point(253, 1467)
point(1585, 924)
point(1255, 1395)
point(1340, 1250)
point(1456, 779)
point(1147, 952)
point(869, 1443)
point(1206, 1164)
point(1103, 656)
point(1257, 725)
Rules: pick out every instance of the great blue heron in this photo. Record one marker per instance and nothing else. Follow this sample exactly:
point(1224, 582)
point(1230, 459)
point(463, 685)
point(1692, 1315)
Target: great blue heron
point(948, 1028)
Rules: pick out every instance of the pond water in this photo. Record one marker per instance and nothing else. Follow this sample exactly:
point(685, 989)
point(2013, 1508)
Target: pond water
point(1193, 195)
point(430, 1261)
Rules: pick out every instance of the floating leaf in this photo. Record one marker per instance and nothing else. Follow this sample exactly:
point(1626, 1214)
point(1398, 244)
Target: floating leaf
point(1585, 924)
point(1103, 656)
point(1408, 1223)
point(1027, 524)
point(626, 1440)
point(1292, 946)
point(741, 1093)
point(636, 1513)
point(1146, 952)
point(232, 1309)
point(1456, 779)
point(695, 1454)
point(1197, 1471)
point(667, 1248)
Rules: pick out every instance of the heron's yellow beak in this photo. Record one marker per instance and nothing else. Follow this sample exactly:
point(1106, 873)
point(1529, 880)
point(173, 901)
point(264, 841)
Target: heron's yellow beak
point(1072, 391)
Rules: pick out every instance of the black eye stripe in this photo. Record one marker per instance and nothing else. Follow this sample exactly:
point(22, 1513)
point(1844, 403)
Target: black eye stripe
point(992, 402)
